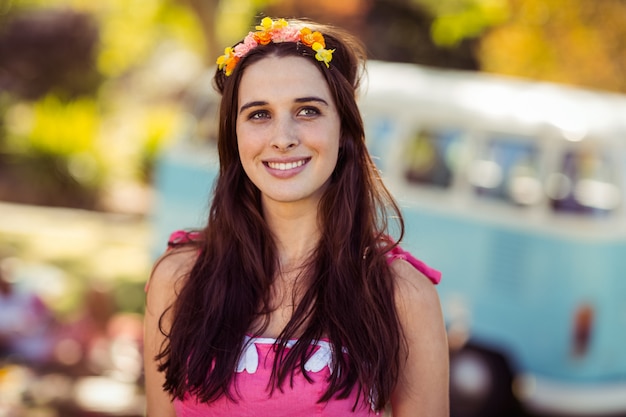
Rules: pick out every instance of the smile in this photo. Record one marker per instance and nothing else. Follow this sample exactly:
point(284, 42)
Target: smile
point(286, 166)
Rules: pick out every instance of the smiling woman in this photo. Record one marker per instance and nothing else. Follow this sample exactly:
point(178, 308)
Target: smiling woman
point(288, 140)
point(254, 313)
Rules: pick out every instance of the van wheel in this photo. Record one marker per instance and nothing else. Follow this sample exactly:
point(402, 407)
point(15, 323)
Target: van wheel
point(480, 384)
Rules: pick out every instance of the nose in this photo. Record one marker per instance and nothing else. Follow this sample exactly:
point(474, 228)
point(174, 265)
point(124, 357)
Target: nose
point(284, 135)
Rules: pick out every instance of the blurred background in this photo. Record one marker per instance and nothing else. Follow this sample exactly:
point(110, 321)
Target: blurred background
point(94, 93)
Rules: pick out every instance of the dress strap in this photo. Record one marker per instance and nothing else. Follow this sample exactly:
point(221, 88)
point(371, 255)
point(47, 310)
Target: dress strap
point(398, 253)
point(181, 237)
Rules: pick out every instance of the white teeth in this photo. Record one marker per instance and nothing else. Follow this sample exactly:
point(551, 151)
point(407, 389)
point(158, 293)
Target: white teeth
point(284, 166)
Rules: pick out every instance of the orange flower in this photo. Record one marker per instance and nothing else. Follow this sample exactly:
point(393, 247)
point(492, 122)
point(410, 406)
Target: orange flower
point(309, 38)
point(263, 37)
point(223, 59)
point(231, 64)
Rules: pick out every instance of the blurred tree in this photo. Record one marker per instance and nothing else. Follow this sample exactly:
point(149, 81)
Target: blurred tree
point(50, 155)
point(223, 22)
point(392, 30)
point(578, 42)
point(45, 50)
point(89, 92)
point(132, 31)
point(348, 14)
point(48, 81)
point(400, 30)
point(206, 13)
point(455, 21)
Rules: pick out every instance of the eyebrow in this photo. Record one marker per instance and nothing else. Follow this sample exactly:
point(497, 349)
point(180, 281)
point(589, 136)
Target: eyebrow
point(312, 98)
point(298, 100)
point(252, 104)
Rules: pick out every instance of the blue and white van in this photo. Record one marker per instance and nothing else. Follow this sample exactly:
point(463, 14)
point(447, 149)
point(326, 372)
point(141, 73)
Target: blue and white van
point(515, 190)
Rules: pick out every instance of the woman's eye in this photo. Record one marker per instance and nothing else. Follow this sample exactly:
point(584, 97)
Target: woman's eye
point(261, 114)
point(309, 111)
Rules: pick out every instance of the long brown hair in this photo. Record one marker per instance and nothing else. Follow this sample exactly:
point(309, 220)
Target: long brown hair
point(349, 297)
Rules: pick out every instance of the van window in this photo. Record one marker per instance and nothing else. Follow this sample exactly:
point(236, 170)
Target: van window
point(430, 156)
point(585, 183)
point(507, 169)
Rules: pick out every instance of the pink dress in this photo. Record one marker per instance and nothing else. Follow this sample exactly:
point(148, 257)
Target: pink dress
point(254, 370)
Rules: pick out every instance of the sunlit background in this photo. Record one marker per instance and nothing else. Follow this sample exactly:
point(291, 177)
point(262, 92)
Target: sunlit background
point(94, 93)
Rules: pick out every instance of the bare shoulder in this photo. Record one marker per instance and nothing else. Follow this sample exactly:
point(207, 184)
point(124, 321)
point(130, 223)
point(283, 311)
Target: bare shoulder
point(423, 379)
point(174, 263)
point(168, 275)
point(413, 288)
point(418, 305)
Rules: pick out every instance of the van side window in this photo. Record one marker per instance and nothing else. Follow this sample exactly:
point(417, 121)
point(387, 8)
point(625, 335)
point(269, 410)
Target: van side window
point(585, 183)
point(379, 129)
point(429, 157)
point(507, 168)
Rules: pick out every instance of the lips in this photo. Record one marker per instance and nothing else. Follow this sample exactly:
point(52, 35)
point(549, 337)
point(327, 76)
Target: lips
point(286, 165)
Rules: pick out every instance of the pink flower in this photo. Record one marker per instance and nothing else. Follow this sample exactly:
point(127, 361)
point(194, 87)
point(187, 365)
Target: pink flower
point(246, 46)
point(285, 34)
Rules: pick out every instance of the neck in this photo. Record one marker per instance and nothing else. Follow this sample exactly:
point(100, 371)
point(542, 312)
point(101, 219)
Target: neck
point(296, 231)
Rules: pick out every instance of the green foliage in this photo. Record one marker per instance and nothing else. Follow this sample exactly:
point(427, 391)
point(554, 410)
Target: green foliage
point(113, 134)
point(159, 125)
point(180, 25)
point(456, 20)
point(578, 42)
point(53, 127)
point(126, 35)
point(130, 31)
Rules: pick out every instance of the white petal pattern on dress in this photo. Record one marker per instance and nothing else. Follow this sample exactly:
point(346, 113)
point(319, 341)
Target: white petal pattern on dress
point(249, 358)
point(320, 359)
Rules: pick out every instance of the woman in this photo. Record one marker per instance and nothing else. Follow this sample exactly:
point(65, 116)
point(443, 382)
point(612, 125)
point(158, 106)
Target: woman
point(294, 300)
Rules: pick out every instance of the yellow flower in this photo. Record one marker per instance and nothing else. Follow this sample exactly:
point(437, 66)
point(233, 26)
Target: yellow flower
point(228, 61)
point(266, 24)
point(323, 55)
point(221, 60)
point(280, 23)
point(267, 29)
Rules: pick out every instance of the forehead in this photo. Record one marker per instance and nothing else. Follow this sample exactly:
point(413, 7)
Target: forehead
point(282, 78)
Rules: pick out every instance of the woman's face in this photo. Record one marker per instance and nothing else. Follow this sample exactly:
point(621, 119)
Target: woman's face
point(288, 129)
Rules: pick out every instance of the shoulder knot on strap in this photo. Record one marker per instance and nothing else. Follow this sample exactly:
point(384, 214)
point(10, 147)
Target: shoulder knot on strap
point(399, 253)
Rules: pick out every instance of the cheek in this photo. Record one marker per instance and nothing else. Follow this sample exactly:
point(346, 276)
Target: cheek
point(246, 156)
point(245, 143)
point(333, 151)
point(250, 137)
point(250, 148)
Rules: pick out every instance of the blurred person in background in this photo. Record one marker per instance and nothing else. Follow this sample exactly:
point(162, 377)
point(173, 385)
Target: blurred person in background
point(294, 299)
point(26, 324)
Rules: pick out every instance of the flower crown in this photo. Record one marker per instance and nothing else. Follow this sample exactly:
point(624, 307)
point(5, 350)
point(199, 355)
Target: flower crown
point(276, 31)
